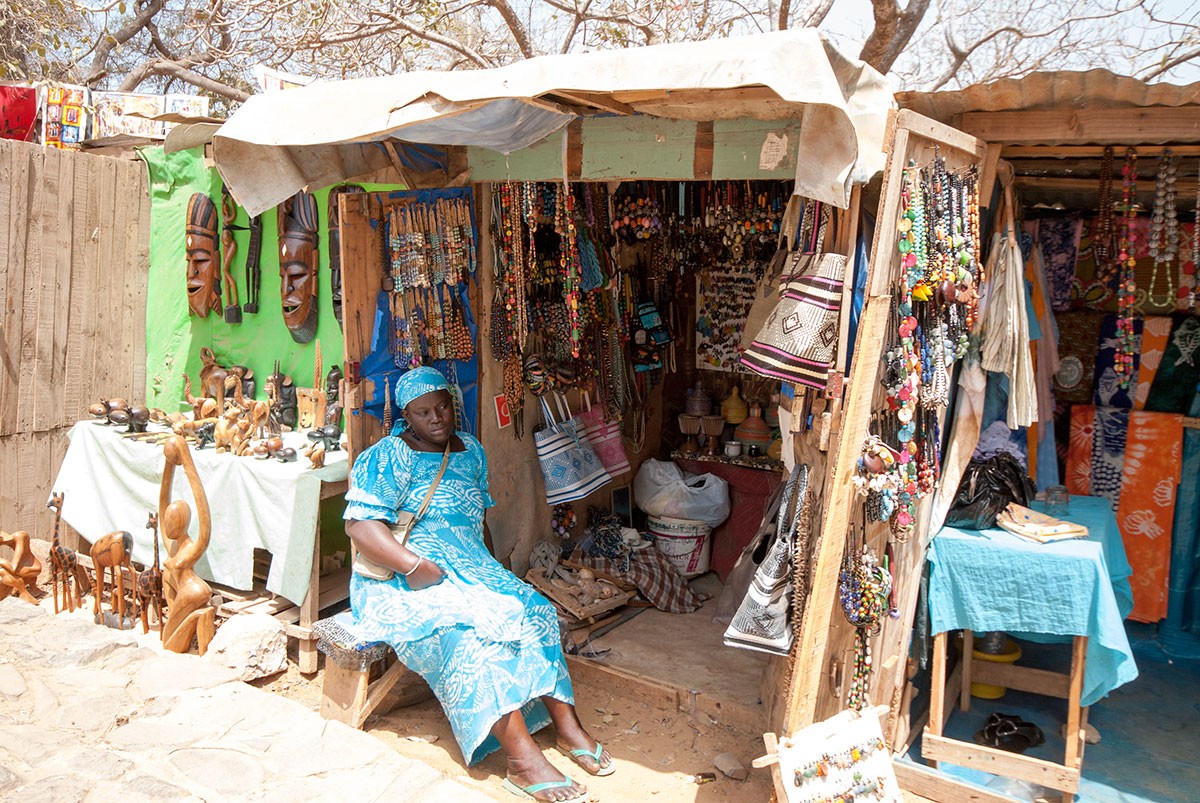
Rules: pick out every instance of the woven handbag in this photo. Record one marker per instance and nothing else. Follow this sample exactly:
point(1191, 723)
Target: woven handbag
point(605, 437)
point(798, 343)
point(570, 467)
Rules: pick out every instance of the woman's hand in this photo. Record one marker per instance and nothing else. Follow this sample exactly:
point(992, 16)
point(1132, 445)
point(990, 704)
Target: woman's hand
point(425, 575)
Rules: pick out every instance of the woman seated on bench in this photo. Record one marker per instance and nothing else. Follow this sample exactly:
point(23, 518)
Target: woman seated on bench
point(484, 640)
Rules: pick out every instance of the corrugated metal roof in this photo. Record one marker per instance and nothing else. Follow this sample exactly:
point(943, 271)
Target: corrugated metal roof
point(1093, 89)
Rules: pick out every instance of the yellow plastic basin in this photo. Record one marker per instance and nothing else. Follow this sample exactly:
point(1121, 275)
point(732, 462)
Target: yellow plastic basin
point(988, 691)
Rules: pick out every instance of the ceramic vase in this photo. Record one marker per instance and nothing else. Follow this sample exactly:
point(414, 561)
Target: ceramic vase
point(754, 429)
point(733, 409)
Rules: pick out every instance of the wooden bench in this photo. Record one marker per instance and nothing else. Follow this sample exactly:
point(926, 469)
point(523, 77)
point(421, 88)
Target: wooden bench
point(361, 675)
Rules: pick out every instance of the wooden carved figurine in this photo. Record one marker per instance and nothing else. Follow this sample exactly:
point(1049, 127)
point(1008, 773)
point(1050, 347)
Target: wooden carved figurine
point(20, 572)
point(212, 378)
point(333, 396)
point(203, 407)
point(148, 590)
point(281, 394)
point(63, 563)
point(298, 265)
point(112, 551)
point(203, 277)
point(189, 612)
point(311, 401)
point(233, 311)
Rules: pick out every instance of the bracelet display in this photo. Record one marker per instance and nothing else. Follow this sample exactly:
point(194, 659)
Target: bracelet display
point(416, 566)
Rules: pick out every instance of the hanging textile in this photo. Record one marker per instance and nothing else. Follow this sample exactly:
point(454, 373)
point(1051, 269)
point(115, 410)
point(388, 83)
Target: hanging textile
point(1156, 333)
point(1109, 392)
point(1153, 447)
point(1058, 240)
point(1079, 450)
point(1179, 370)
point(1183, 594)
point(18, 112)
point(1108, 453)
point(1079, 333)
point(1005, 329)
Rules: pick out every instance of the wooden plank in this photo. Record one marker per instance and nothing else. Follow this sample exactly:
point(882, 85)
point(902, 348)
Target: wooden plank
point(73, 404)
point(637, 148)
point(104, 310)
point(941, 133)
point(937, 686)
point(1075, 731)
point(12, 312)
point(639, 687)
point(933, 785)
point(772, 744)
point(702, 153)
point(33, 286)
point(360, 285)
point(1000, 762)
point(47, 310)
point(310, 606)
point(987, 174)
point(595, 100)
point(574, 164)
point(86, 278)
point(141, 269)
point(966, 662)
point(738, 143)
point(58, 415)
point(7, 149)
point(1151, 125)
point(1022, 678)
point(131, 304)
point(1089, 152)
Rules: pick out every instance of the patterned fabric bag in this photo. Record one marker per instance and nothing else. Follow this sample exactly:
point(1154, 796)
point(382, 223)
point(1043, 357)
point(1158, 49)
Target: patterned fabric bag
point(798, 343)
point(569, 464)
point(763, 621)
point(605, 437)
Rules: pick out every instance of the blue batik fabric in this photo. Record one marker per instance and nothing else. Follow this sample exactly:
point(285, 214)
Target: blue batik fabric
point(485, 641)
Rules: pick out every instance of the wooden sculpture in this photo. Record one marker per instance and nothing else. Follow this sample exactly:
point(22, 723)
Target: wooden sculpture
point(63, 563)
point(189, 612)
point(315, 455)
point(20, 572)
point(148, 590)
point(203, 274)
point(281, 395)
point(298, 261)
point(112, 551)
point(203, 408)
point(311, 401)
point(233, 311)
point(212, 377)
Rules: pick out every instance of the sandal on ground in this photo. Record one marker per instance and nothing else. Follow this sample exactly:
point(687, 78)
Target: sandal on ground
point(579, 755)
point(532, 789)
point(1012, 734)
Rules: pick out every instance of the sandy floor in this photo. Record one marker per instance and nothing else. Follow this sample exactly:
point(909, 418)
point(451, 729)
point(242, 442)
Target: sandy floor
point(657, 752)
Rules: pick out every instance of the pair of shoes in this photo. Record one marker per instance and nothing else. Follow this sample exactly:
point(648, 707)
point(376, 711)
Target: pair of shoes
point(529, 791)
point(579, 755)
point(1011, 733)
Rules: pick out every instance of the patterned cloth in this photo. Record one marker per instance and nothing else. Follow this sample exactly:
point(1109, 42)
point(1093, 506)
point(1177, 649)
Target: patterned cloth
point(654, 576)
point(1096, 457)
point(1153, 452)
point(1109, 392)
point(1079, 334)
point(1156, 333)
point(1177, 375)
point(414, 384)
point(1079, 450)
point(1059, 241)
point(18, 112)
point(484, 641)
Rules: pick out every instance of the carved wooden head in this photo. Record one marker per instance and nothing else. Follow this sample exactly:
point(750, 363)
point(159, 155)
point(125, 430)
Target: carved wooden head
point(203, 268)
point(298, 259)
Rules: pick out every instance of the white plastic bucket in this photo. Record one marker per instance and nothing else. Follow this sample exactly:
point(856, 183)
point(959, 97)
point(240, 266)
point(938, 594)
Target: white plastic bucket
point(686, 543)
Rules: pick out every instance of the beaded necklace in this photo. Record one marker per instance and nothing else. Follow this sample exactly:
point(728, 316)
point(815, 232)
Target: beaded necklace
point(1127, 283)
point(1192, 296)
point(1164, 230)
point(1102, 235)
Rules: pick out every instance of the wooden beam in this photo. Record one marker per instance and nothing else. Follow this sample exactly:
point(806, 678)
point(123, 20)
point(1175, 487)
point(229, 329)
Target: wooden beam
point(601, 102)
point(1150, 125)
point(709, 96)
point(932, 785)
point(1086, 151)
point(702, 158)
point(1000, 762)
point(1022, 678)
point(940, 133)
point(987, 174)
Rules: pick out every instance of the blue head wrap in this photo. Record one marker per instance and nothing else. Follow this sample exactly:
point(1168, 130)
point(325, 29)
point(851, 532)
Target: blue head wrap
point(415, 383)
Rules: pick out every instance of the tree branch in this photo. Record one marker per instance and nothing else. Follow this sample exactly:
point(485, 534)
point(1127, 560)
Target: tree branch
point(515, 26)
point(166, 67)
point(893, 31)
point(110, 41)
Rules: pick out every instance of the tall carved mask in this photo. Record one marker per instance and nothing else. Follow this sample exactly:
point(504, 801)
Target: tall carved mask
point(298, 265)
point(203, 269)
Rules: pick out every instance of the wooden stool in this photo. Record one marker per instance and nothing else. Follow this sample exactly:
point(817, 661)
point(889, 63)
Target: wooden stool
point(1062, 777)
point(360, 675)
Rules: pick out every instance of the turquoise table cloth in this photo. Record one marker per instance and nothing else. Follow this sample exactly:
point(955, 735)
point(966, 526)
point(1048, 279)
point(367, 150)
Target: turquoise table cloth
point(985, 580)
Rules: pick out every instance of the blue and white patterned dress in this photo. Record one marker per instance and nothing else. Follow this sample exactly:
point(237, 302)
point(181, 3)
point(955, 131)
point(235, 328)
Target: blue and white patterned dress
point(485, 641)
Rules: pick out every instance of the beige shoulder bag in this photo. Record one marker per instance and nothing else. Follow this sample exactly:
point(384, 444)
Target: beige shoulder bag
point(401, 530)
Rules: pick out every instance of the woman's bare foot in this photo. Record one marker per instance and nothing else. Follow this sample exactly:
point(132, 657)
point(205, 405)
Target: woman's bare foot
point(528, 770)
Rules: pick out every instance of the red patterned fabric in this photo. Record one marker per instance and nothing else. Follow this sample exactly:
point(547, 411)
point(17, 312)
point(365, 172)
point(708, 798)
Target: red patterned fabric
point(18, 112)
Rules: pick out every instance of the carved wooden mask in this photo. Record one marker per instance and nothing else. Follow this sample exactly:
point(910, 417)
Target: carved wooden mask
point(298, 257)
point(203, 270)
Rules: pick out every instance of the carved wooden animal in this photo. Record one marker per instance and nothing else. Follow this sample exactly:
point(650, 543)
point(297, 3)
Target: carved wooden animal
point(212, 377)
point(63, 563)
point(226, 428)
point(20, 572)
point(189, 613)
point(148, 590)
point(112, 551)
point(315, 455)
point(202, 406)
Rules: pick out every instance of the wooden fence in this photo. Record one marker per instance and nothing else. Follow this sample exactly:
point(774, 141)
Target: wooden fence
point(74, 260)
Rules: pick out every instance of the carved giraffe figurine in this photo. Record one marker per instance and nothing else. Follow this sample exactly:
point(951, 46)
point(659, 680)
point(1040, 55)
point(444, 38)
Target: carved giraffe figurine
point(112, 551)
point(21, 572)
point(63, 562)
point(148, 590)
point(188, 596)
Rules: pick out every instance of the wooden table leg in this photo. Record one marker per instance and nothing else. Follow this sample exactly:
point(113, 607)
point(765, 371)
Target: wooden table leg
point(309, 609)
point(968, 648)
point(1076, 717)
point(937, 688)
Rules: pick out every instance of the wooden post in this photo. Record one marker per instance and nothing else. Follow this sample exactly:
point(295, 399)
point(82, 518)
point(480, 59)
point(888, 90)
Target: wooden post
point(937, 688)
point(968, 647)
point(1075, 726)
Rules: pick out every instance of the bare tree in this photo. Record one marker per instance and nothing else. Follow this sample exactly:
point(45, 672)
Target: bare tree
point(212, 44)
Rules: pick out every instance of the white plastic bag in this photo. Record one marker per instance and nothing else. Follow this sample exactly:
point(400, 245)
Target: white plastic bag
point(663, 489)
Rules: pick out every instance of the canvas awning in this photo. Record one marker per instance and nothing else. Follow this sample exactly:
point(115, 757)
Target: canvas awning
point(279, 143)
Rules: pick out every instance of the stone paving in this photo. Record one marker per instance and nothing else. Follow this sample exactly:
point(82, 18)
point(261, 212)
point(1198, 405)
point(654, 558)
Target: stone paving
point(86, 714)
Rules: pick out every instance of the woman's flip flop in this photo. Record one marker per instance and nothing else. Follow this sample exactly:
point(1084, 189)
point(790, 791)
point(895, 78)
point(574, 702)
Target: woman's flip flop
point(578, 755)
point(529, 791)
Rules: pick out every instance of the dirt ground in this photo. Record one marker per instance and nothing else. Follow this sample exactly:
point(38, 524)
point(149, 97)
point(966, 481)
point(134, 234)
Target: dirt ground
point(657, 751)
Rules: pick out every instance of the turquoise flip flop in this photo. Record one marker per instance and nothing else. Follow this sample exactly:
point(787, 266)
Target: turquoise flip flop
point(594, 755)
point(528, 791)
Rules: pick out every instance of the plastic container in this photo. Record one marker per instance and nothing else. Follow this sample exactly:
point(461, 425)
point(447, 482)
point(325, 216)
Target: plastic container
point(685, 543)
point(989, 691)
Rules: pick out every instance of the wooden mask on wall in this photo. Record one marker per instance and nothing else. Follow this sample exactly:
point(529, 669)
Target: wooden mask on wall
point(298, 257)
point(203, 270)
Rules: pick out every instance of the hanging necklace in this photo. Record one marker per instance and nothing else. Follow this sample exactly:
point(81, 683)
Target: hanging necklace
point(1195, 280)
point(1102, 235)
point(1127, 283)
point(1164, 231)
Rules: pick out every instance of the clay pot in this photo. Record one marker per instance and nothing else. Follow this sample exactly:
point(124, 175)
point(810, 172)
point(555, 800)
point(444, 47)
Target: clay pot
point(753, 429)
point(733, 409)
